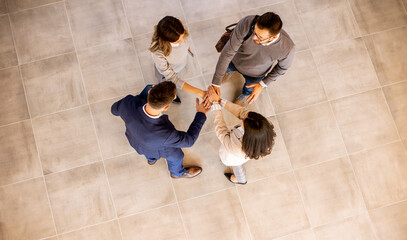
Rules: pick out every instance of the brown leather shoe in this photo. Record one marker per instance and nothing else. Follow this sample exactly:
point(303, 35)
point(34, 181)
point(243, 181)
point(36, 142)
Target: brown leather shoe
point(190, 172)
point(152, 163)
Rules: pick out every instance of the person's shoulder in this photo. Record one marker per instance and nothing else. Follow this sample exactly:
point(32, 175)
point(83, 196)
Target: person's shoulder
point(246, 22)
point(286, 39)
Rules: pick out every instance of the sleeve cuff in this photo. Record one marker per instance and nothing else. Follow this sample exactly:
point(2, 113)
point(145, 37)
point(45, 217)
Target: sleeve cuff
point(216, 106)
point(216, 85)
point(263, 84)
point(223, 102)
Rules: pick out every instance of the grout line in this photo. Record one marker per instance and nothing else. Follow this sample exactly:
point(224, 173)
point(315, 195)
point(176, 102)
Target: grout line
point(179, 209)
point(87, 226)
point(384, 31)
point(404, 6)
point(33, 132)
point(93, 124)
point(347, 152)
point(244, 213)
point(354, 18)
point(47, 58)
point(146, 211)
point(32, 8)
point(389, 204)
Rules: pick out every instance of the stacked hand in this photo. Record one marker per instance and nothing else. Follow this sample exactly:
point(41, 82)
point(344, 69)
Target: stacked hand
point(200, 107)
point(212, 95)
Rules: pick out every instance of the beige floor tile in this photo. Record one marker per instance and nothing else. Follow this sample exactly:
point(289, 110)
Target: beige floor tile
point(391, 222)
point(142, 43)
point(182, 115)
point(204, 153)
point(310, 5)
point(375, 16)
point(18, 153)
point(137, 186)
point(13, 104)
point(205, 35)
point(215, 216)
point(382, 174)
point(95, 22)
point(339, 23)
point(405, 144)
point(104, 231)
point(277, 162)
point(248, 4)
point(299, 87)
point(18, 5)
point(53, 84)
point(354, 228)
point(3, 7)
point(163, 223)
point(396, 96)
point(208, 9)
point(41, 32)
point(144, 15)
point(304, 235)
point(111, 70)
point(80, 197)
point(291, 21)
point(345, 68)
point(66, 140)
point(25, 212)
point(110, 130)
point(275, 212)
point(51, 238)
point(311, 135)
point(8, 55)
point(388, 51)
point(364, 120)
point(330, 191)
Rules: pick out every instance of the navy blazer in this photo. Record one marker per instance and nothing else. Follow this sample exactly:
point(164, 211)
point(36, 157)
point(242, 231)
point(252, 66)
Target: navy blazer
point(154, 137)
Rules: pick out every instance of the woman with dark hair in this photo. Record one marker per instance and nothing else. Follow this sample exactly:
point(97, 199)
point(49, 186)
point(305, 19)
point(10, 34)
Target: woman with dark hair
point(170, 48)
point(253, 139)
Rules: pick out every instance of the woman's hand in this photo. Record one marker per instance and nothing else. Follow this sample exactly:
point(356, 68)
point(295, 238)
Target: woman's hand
point(214, 94)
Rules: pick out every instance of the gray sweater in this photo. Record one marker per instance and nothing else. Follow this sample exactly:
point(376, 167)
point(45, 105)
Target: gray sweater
point(252, 59)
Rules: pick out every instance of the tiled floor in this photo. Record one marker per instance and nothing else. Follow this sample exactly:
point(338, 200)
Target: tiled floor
point(338, 169)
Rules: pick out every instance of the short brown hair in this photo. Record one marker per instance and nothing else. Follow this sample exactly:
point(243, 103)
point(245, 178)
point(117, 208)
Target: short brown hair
point(270, 21)
point(258, 137)
point(161, 94)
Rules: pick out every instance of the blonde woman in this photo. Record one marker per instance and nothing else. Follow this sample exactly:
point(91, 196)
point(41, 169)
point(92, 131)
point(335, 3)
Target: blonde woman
point(170, 49)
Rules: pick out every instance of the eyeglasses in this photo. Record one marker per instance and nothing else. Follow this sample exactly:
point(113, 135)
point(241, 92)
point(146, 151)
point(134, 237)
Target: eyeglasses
point(261, 40)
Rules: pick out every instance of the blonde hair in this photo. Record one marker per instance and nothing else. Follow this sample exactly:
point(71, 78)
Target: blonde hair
point(168, 30)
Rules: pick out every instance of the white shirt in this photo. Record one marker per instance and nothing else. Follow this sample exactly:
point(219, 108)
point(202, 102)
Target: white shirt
point(148, 115)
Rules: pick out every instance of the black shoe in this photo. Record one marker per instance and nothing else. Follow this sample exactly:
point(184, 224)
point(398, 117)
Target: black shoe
point(229, 175)
point(177, 100)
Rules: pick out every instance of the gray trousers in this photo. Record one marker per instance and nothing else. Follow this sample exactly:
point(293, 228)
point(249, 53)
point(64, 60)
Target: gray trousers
point(240, 173)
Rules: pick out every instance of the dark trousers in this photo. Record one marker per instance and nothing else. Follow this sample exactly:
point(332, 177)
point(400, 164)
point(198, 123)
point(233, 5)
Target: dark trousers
point(174, 163)
point(249, 80)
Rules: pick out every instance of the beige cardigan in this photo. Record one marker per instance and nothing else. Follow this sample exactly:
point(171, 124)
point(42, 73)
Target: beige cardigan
point(230, 152)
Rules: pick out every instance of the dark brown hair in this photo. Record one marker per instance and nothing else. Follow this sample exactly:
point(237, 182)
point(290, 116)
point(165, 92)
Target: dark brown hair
point(168, 30)
point(258, 137)
point(161, 94)
point(270, 21)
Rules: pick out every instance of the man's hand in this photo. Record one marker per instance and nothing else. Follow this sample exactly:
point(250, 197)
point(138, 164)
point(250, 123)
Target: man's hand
point(200, 107)
point(257, 89)
point(207, 99)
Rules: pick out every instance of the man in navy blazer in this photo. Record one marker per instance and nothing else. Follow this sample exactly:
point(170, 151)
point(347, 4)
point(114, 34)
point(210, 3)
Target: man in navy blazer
point(151, 133)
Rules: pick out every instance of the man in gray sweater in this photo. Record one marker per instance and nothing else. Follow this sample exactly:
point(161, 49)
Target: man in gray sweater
point(254, 57)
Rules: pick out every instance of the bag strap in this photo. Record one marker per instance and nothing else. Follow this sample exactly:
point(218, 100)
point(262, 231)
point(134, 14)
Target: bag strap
point(251, 29)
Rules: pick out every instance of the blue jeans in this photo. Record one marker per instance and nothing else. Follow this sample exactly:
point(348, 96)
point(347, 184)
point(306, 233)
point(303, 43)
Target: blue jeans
point(249, 80)
point(174, 163)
